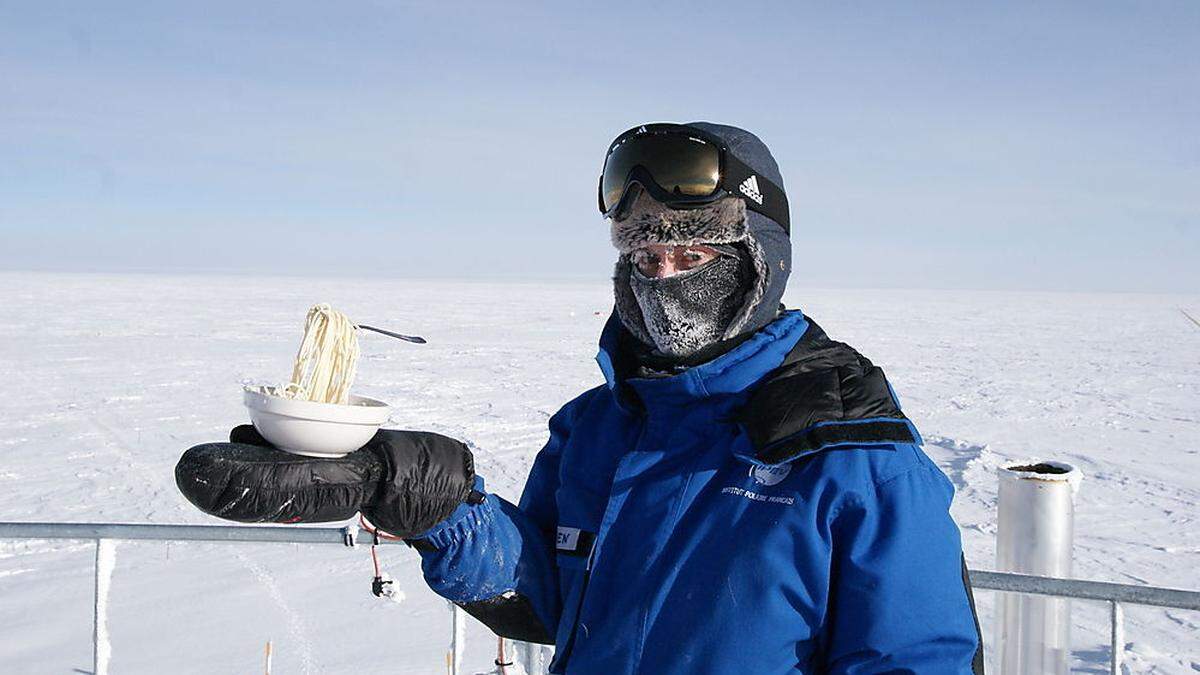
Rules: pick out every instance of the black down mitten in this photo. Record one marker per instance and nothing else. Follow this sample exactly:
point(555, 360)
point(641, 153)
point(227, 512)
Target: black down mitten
point(405, 482)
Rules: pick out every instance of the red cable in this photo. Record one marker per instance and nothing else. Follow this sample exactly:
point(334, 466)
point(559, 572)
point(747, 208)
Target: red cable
point(374, 556)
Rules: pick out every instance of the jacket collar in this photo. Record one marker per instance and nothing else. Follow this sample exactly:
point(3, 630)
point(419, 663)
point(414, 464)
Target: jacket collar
point(731, 373)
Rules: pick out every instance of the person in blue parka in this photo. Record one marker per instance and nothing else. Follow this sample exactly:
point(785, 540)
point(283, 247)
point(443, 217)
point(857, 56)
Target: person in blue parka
point(742, 495)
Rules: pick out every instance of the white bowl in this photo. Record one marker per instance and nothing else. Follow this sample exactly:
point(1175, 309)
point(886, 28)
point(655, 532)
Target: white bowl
point(314, 429)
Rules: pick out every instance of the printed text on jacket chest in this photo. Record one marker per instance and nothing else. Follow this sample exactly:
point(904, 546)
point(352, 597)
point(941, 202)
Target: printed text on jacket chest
point(760, 480)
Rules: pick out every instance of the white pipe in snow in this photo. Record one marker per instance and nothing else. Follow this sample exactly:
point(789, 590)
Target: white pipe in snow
point(1034, 534)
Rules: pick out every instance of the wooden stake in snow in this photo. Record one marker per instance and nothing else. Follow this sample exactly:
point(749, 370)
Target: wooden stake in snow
point(268, 656)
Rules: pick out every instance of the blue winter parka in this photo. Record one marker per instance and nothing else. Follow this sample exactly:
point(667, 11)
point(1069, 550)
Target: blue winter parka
point(653, 537)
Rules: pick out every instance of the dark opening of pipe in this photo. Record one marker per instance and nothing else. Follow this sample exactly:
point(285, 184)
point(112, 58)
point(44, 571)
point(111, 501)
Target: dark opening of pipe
point(1041, 468)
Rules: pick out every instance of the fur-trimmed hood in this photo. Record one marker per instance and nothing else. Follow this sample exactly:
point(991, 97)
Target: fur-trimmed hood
point(727, 221)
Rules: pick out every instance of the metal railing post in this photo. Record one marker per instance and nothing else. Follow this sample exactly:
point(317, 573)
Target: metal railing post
point(526, 656)
point(101, 647)
point(1118, 637)
point(96, 669)
point(530, 661)
point(458, 639)
point(533, 658)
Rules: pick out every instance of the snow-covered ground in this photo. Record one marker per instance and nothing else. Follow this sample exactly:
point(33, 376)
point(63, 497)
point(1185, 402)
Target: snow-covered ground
point(104, 380)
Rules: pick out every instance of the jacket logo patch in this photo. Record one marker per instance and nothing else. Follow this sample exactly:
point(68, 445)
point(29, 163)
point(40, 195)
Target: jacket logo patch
point(763, 476)
point(770, 475)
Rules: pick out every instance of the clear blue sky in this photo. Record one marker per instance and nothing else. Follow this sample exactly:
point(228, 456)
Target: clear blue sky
point(947, 145)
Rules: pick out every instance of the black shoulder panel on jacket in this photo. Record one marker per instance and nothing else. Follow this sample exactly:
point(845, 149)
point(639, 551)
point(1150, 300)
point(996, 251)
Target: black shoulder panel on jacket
point(823, 394)
point(511, 616)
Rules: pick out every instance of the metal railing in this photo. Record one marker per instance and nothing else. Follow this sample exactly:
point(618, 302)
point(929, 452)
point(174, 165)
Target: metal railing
point(104, 534)
point(1116, 595)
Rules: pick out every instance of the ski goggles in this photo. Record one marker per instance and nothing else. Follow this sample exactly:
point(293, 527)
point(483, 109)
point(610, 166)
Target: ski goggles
point(683, 167)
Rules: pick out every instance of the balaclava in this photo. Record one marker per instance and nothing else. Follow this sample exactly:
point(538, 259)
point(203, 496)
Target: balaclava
point(689, 311)
point(730, 297)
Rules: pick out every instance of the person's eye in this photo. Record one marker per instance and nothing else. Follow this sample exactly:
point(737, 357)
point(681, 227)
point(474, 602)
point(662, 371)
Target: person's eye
point(694, 258)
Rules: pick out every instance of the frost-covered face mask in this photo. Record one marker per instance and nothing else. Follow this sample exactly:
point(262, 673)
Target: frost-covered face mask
point(689, 311)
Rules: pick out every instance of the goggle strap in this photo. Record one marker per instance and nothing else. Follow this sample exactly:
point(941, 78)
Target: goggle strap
point(768, 199)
